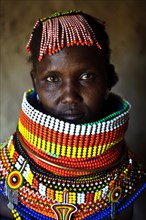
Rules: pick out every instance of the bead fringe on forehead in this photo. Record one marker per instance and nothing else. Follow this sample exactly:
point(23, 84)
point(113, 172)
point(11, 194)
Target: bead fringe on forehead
point(61, 31)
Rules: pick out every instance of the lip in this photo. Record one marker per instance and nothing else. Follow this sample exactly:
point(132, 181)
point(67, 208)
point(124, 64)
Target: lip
point(71, 116)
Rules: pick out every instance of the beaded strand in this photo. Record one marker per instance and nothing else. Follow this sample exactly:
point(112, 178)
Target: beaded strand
point(38, 187)
point(88, 199)
point(106, 213)
point(75, 31)
point(61, 141)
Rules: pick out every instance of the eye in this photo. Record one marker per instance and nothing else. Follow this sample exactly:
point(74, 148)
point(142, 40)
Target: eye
point(53, 78)
point(87, 76)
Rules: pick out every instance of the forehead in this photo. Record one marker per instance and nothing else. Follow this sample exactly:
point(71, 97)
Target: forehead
point(77, 56)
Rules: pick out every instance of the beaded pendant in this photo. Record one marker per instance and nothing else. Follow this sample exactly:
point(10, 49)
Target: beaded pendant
point(64, 210)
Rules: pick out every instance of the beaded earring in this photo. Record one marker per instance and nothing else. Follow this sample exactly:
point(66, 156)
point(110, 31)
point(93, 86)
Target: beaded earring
point(38, 98)
point(63, 29)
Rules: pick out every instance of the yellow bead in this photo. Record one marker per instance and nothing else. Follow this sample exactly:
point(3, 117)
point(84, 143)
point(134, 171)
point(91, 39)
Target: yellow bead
point(39, 142)
point(89, 151)
point(79, 150)
point(30, 177)
point(99, 150)
point(48, 147)
point(103, 149)
point(63, 151)
point(53, 149)
point(57, 151)
point(94, 151)
point(84, 152)
point(74, 152)
point(68, 151)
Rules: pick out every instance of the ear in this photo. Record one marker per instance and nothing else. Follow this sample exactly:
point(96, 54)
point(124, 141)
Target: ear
point(107, 94)
point(32, 75)
point(112, 76)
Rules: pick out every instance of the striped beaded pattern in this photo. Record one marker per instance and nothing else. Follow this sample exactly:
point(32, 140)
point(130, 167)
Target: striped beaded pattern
point(69, 167)
point(91, 196)
point(61, 139)
point(64, 29)
point(90, 193)
point(90, 201)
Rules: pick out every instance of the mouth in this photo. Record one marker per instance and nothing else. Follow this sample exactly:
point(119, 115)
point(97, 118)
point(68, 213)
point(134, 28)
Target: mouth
point(73, 117)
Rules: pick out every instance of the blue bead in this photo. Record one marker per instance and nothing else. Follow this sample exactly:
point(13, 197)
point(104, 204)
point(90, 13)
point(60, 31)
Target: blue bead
point(27, 213)
point(132, 199)
point(107, 212)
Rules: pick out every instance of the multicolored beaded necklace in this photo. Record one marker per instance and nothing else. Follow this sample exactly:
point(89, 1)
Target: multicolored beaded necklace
point(50, 169)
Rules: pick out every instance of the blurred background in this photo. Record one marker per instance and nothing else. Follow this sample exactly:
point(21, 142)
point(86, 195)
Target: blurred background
point(126, 25)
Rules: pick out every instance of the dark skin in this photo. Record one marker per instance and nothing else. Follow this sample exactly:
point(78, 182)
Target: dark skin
point(72, 85)
point(67, 82)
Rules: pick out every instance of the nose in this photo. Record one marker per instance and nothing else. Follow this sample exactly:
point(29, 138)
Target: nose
point(70, 94)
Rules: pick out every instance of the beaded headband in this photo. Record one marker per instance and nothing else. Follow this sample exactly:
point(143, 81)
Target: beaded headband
point(63, 29)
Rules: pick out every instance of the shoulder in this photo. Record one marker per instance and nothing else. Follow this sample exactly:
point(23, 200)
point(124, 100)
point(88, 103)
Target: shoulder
point(5, 212)
point(4, 143)
point(133, 206)
point(139, 209)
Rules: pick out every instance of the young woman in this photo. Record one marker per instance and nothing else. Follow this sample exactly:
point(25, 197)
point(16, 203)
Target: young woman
point(68, 158)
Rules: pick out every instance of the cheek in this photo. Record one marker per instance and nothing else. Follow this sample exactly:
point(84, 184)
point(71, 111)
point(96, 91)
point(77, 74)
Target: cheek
point(49, 94)
point(46, 97)
point(42, 88)
point(95, 98)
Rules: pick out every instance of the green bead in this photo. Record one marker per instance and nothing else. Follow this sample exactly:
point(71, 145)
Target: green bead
point(58, 14)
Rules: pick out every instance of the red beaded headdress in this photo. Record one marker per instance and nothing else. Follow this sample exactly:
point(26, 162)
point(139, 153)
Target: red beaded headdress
point(63, 29)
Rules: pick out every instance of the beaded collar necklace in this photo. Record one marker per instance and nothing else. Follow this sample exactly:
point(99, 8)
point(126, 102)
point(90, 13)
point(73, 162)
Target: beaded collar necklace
point(37, 188)
point(80, 149)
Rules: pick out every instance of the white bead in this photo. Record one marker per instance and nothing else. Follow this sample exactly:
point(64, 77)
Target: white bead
point(77, 130)
point(83, 128)
point(88, 130)
point(17, 165)
point(72, 128)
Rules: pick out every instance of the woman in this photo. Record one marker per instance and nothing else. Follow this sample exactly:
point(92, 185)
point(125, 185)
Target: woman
point(68, 158)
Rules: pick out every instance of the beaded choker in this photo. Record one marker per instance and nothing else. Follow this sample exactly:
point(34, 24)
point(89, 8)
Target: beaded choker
point(39, 171)
point(80, 149)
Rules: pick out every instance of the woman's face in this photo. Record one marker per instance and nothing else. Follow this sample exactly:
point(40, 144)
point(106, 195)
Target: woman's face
point(72, 84)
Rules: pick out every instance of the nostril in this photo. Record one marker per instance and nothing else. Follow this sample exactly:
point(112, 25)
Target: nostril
point(70, 96)
point(67, 98)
